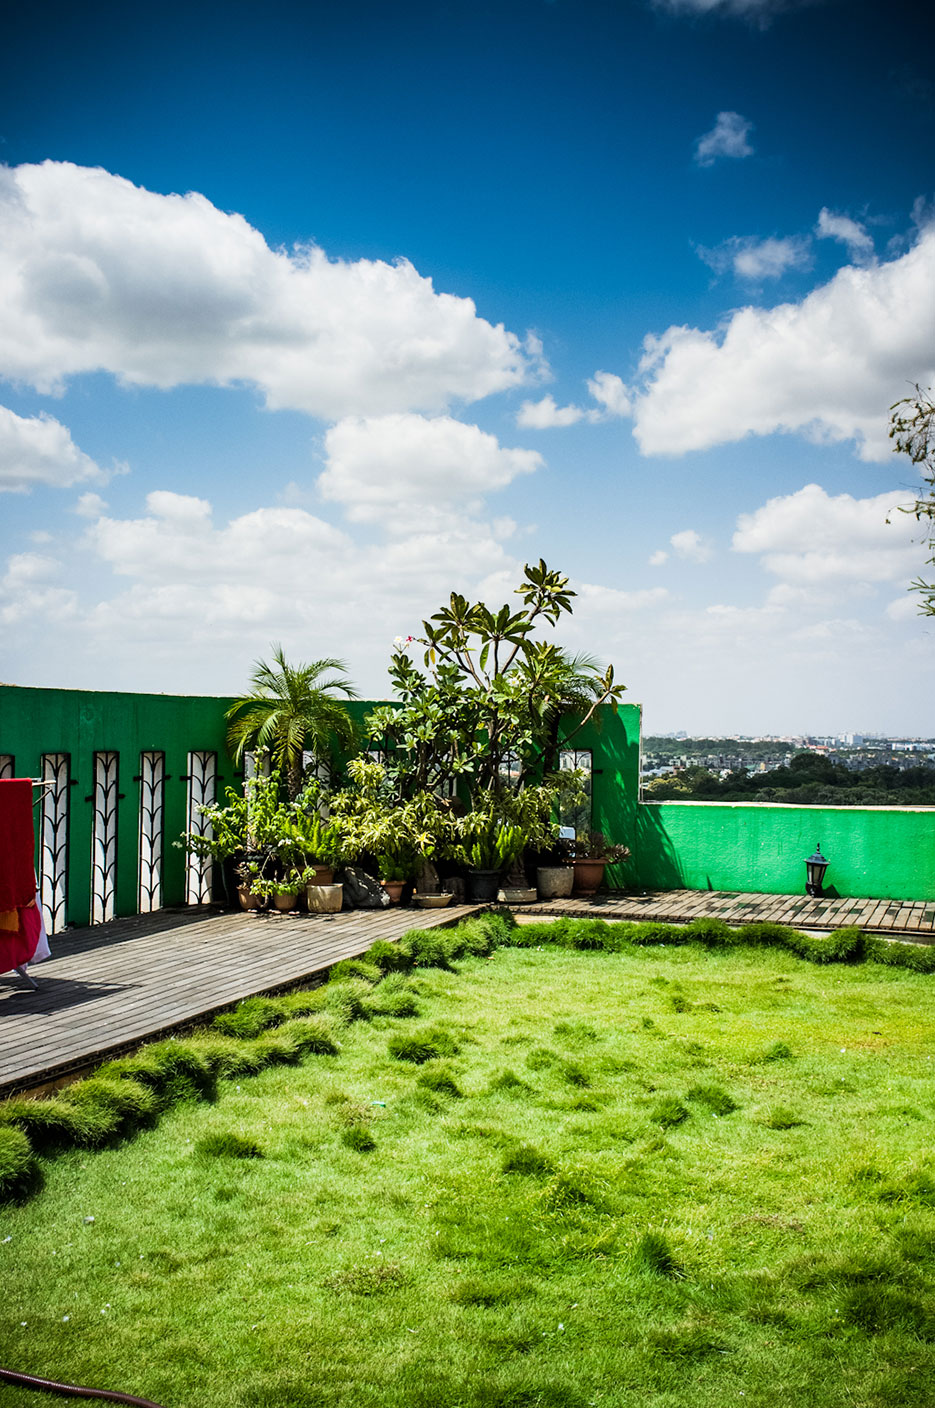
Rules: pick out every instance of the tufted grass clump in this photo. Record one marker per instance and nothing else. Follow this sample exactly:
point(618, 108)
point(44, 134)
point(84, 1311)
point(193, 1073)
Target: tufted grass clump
point(527, 1161)
point(358, 1137)
point(393, 997)
point(18, 1167)
point(227, 1144)
point(653, 1256)
point(669, 1111)
point(250, 1017)
point(370, 973)
point(425, 1044)
point(781, 1117)
point(388, 957)
point(438, 1077)
point(713, 1098)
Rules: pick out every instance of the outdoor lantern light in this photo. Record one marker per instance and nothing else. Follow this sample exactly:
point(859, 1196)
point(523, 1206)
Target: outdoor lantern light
point(815, 867)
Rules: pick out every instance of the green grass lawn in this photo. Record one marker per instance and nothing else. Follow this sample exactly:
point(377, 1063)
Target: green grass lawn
point(664, 1176)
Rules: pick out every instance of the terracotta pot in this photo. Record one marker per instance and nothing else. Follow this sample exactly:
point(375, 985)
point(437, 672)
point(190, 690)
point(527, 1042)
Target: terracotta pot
point(554, 882)
point(394, 888)
point(284, 903)
point(324, 875)
point(248, 900)
point(324, 899)
point(588, 876)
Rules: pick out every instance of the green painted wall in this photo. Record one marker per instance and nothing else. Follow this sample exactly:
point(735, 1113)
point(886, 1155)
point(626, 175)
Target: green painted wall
point(614, 740)
point(82, 722)
point(875, 852)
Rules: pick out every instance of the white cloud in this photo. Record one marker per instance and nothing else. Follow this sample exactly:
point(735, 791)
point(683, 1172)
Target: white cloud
point(847, 231)
point(691, 546)
point(546, 414)
point(90, 506)
point(727, 138)
point(612, 393)
point(659, 558)
point(830, 365)
point(39, 450)
point(760, 10)
point(755, 260)
point(160, 290)
point(405, 470)
point(813, 539)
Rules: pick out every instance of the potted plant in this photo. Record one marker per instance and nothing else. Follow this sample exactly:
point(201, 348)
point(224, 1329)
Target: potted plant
point(593, 852)
point(283, 892)
point(488, 847)
point(555, 876)
point(396, 871)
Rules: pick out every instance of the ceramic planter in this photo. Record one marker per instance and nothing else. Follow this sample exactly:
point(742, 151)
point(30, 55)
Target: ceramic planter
point(554, 882)
point(432, 901)
point(394, 888)
point(285, 903)
point(324, 899)
point(588, 876)
point(324, 875)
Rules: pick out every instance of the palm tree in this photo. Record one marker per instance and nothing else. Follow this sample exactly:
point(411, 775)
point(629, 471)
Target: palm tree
point(291, 708)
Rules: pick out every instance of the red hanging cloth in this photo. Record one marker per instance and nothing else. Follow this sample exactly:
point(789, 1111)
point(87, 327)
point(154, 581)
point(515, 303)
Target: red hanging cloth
point(17, 845)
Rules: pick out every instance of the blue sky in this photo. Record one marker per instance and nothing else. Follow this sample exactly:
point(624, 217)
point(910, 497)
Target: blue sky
point(309, 314)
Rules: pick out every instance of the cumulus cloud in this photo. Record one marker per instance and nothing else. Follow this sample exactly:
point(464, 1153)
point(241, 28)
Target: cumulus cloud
point(39, 450)
point(727, 138)
point(691, 546)
point(830, 365)
point(846, 231)
point(401, 469)
point(546, 414)
point(659, 558)
point(611, 393)
point(97, 274)
point(813, 539)
point(755, 260)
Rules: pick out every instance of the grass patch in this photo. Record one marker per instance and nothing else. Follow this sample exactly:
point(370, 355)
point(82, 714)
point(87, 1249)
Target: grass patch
point(530, 1242)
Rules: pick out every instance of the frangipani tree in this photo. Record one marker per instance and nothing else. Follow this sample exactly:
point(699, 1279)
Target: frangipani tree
point(292, 709)
point(483, 716)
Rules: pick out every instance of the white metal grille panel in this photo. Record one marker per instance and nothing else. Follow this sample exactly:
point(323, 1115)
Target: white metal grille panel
point(152, 789)
point(202, 789)
point(53, 840)
point(104, 837)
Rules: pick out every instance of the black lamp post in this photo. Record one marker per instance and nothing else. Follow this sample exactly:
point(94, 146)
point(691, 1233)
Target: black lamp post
point(815, 867)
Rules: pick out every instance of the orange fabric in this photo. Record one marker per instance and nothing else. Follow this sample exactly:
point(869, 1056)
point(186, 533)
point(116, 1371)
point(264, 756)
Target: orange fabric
point(9, 920)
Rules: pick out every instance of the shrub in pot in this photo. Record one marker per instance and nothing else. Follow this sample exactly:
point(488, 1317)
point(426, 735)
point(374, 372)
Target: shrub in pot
point(593, 852)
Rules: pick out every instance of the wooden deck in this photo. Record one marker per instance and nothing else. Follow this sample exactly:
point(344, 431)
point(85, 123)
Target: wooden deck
point(108, 988)
point(898, 919)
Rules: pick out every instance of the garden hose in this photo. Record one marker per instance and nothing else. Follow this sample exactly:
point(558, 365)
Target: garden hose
point(9, 1376)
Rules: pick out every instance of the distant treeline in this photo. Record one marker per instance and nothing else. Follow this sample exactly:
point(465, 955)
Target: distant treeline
point(811, 779)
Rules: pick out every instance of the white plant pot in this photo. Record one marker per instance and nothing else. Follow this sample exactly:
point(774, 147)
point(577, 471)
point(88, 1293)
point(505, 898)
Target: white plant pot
point(324, 899)
point(555, 882)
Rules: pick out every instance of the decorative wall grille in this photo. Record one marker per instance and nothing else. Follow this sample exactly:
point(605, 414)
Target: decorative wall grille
point(104, 837)
point(54, 770)
point(202, 789)
point(7, 766)
point(152, 788)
